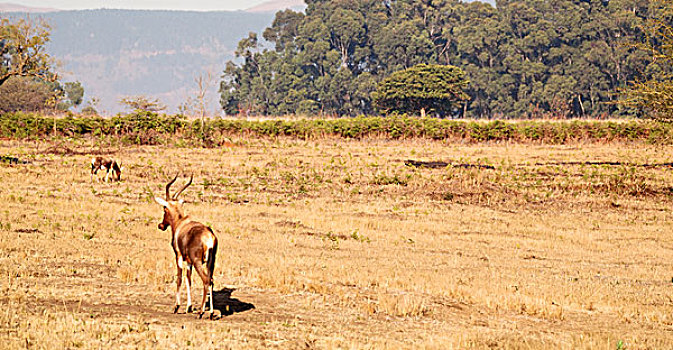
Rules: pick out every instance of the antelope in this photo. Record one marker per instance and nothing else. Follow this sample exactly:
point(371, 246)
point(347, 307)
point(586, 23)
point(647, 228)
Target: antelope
point(194, 245)
point(110, 165)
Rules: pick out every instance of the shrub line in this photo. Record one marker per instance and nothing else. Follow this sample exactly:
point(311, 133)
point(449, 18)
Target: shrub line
point(147, 128)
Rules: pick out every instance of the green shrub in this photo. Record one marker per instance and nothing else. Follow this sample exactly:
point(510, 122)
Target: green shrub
point(149, 128)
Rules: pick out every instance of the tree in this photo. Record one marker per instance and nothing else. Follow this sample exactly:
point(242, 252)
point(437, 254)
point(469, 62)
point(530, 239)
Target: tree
point(435, 89)
point(73, 94)
point(142, 103)
point(24, 94)
point(243, 88)
point(655, 95)
point(284, 29)
point(91, 107)
point(22, 49)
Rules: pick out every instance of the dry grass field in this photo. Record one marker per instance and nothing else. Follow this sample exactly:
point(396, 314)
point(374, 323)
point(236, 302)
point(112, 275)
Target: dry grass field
point(338, 244)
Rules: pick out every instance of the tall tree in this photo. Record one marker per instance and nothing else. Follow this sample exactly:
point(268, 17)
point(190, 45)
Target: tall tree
point(73, 95)
point(654, 93)
point(22, 49)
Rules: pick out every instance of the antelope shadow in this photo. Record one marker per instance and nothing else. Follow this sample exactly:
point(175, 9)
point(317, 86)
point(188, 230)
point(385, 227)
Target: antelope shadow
point(223, 302)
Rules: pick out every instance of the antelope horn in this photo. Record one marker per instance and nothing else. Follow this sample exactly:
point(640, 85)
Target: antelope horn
point(175, 197)
point(168, 187)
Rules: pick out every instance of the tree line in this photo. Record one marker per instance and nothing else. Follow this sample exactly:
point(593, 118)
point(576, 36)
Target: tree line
point(523, 58)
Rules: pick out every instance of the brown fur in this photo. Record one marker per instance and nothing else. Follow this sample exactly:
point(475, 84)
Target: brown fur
point(193, 243)
point(110, 165)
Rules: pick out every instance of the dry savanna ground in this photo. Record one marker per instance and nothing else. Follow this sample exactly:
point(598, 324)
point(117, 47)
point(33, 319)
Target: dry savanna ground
point(338, 244)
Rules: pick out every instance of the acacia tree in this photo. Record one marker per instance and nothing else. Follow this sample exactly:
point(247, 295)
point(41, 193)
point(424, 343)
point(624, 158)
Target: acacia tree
point(655, 95)
point(23, 51)
point(435, 89)
point(142, 103)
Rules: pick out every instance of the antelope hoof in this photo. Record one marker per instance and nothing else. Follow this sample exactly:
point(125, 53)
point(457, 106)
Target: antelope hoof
point(200, 315)
point(189, 309)
point(175, 310)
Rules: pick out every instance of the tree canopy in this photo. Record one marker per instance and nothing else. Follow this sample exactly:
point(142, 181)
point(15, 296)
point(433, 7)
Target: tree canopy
point(142, 103)
point(24, 94)
point(523, 58)
point(654, 95)
point(22, 49)
point(27, 81)
point(434, 89)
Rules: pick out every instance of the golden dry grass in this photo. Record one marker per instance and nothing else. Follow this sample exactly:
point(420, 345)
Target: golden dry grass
point(338, 244)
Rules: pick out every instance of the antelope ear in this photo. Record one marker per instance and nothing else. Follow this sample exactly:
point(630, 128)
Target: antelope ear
point(161, 201)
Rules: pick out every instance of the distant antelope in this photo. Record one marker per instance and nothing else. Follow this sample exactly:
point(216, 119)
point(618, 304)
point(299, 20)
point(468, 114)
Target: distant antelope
point(110, 165)
point(194, 244)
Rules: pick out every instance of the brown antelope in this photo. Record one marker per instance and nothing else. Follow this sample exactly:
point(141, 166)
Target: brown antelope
point(194, 244)
point(110, 165)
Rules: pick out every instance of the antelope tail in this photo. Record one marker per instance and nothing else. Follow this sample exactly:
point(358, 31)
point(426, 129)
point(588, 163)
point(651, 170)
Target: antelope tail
point(211, 261)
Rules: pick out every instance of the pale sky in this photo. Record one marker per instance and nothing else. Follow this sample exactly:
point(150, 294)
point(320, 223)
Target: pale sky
point(197, 5)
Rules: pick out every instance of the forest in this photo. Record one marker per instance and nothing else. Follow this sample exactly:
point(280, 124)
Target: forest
point(523, 58)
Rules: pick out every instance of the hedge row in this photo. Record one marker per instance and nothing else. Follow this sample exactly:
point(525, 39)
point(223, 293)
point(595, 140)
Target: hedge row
point(150, 128)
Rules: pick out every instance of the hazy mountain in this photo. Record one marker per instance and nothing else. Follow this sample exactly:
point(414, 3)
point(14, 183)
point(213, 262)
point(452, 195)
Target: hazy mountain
point(8, 7)
point(117, 53)
point(276, 5)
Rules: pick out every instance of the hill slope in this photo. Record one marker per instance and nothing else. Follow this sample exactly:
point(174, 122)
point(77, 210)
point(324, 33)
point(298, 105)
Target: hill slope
point(10, 7)
point(276, 5)
point(116, 53)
